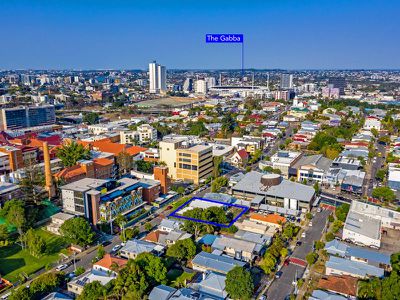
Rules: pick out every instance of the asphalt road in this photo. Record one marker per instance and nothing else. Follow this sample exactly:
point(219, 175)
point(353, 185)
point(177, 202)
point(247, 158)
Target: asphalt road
point(283, 286)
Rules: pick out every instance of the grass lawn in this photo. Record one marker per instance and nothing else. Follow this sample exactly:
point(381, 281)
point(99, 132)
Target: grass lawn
point(14, 260)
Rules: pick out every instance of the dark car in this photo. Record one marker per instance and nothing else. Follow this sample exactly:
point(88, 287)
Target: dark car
point(105, 243)
point(278, 274)
point(298, 243)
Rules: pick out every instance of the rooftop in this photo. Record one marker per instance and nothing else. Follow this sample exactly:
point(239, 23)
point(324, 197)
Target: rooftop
point(363, 225)
point(341, 284)
point(251, 183)
point(353, 267)
point(222, 264)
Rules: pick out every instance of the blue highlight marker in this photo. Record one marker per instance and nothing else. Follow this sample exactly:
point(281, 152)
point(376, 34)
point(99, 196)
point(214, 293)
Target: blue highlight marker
point(224, 38)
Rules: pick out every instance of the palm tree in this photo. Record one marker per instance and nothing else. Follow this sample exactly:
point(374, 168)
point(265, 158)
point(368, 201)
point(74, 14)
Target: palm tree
point(121, 221)
point(71, 152)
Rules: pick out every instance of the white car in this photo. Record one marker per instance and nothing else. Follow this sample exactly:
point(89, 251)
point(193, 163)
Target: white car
point(116, 248)
point(310, 224)
point(303, 234)
point(61, 267)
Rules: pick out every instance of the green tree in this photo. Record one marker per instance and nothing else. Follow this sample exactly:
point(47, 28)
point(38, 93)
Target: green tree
point(239, 284)
point(14, 213)
point(329, 237)
point(217, 161)
point(380, 174)
point(369, 289)
point(92, 291)
point(100, 251)
point(342, 211)
point(70, 153)
point(196, 128)
point(391, 287)
point(131, 282)
point(311, 258)
point(218, 183)
point(90, 118)
point(284, 252)
point(144, 166)
point(191, 226)
point(268, 263)
point(121, 222)
point(318, 245)
point(131, 233)
point(182, 249)
point(79, 271)
point(154, 267)
point(3, 232)
point(77, 231)
point(124, 162)
point(384, 194)
point(21, 293)
point(270, 169)
point(148, 226)
point(44, 284)
point(32, 184)
point(35, 243)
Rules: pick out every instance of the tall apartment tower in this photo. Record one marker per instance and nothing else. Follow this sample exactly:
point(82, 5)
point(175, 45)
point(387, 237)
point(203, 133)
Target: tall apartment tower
point(338, 82)
point(286, 81)
point(157, 78)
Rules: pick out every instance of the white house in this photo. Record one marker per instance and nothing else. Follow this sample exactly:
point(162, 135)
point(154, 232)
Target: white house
point(372, 123)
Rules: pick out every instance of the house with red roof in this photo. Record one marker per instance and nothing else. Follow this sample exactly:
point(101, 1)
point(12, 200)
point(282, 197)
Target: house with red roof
point(240, 158)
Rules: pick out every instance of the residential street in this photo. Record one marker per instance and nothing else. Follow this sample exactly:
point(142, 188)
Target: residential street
point(283, 286)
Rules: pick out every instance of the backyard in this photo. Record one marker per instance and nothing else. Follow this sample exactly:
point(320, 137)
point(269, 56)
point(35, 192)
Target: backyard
point(15, 261)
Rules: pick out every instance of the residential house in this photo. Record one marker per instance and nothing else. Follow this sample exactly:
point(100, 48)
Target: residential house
point(110, 264)
point(242, 250)
point(240, 158)
point(205, 261)
point(134, 247)
point(343, 285)
point(340, 266)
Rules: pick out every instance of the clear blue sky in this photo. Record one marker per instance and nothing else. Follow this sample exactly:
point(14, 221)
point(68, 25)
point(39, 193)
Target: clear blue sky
point(289, 34)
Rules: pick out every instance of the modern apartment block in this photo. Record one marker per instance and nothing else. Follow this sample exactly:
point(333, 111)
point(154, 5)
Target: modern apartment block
point(194, 163)
point(147, 133)
point(101, 200)
point(23, 117)
point(186, 157)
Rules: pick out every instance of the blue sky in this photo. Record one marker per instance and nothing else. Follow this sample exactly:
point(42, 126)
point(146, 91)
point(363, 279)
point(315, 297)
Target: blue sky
point(287, 34)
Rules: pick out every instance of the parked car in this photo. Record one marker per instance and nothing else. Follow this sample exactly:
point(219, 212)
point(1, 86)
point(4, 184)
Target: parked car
point(298, 243)
point(303, 234)
point(278, 274)
point(286, 262)
point(310, 224)
point(61, 267)
point(116, 248)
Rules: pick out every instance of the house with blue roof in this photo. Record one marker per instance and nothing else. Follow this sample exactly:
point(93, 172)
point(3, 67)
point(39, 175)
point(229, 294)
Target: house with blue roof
point(368, 256)
point(205, 261)
point(341, 266)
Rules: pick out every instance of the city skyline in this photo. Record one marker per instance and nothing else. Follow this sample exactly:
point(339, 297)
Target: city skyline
point(278, 35)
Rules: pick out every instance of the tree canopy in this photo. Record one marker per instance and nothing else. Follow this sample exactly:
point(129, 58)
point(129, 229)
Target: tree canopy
point(384, 194)
point(77, 231)
point(182, 249)
point(239, 284)
point(70, 153)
